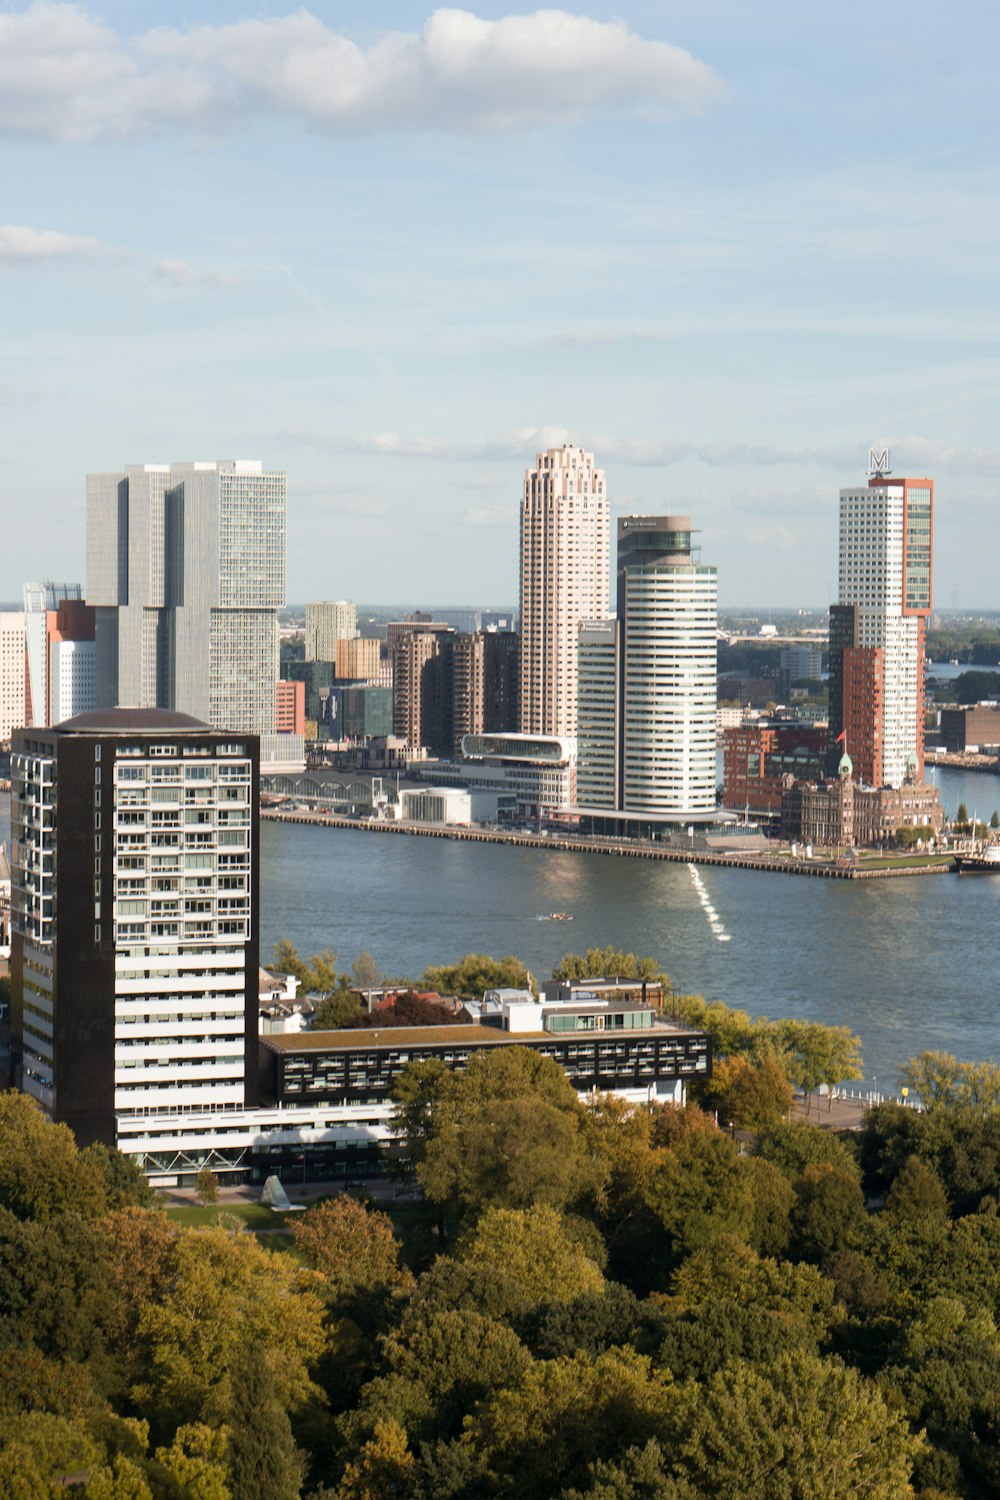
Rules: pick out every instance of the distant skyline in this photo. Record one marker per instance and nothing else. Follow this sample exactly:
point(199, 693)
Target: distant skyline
point(398, 250)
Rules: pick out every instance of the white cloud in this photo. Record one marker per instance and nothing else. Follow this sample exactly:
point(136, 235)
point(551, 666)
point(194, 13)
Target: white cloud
point(21, 244)
point(178, 273)
point(66, 76)
point(504, 516)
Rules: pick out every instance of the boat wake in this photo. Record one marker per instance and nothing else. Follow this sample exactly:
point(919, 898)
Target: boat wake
point(714, 920)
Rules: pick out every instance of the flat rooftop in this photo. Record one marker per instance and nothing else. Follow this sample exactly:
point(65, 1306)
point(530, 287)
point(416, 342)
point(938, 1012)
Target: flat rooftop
point(363, 1038)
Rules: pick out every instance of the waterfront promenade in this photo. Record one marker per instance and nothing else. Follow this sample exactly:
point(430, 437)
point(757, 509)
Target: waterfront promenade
point(823, 868)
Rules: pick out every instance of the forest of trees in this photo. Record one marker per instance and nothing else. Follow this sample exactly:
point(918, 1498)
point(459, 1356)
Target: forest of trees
point(600, 1302)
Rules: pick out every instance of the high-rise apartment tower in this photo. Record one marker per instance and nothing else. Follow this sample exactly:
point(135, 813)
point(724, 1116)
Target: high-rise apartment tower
point(186, 568)
point(327, 622)
point(134, 912)
point(647, 683)
point(565, 557)
point(877, 626)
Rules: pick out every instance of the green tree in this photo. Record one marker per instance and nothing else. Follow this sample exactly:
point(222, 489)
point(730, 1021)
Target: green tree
point(795, 1145)
point(418, 1096)
point(543, 1435)
point(316, 975)
point(365, 971)
point(805, 1427)
point(476, 973)
point(41, 1171)
point(608, 963)
point(995, 819)
point(384, 1467)
point(733, 1031)
point(940, 1080)
point(618, 1137)
point(700, 1191)
point(207, 1186)
point(338, 1010)
point(962, 816)
point(125, 1183)
point(819, 1054)
point(222, 1292)
point(264, 1463)
point(917, 1194)
point(512, 1244)
point(197, 1463)
point(829, 1212)
point(506, 1131)
point(773, 1199)
point(751, 1094)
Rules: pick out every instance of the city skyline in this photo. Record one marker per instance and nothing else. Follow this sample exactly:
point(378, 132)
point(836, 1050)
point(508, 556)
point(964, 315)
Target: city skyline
point(414, 254)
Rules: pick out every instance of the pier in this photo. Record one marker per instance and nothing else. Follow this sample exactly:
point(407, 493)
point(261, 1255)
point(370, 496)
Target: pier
point(819, 869)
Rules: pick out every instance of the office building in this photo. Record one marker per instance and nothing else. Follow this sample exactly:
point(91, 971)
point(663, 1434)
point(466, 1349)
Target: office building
point(186, 570)
point(13, 674)
point(647, 689)
point(877, 625)
point(357, 659)
point(134, 958)
point(327, 622)
point(564, 564)
point(290, 708)
point(59, 632)
point(802, 663)
point(758, 760)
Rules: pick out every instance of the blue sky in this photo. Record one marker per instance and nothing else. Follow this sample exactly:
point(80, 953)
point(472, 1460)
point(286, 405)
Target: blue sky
point(395, 250)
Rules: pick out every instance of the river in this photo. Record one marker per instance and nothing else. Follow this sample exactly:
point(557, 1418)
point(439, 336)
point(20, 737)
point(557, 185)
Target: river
point(908, 964)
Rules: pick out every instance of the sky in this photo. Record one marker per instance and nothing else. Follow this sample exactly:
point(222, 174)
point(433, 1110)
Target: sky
point(396, 251)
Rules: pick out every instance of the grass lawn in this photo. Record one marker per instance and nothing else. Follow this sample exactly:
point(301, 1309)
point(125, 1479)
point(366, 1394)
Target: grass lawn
point(254, 1215)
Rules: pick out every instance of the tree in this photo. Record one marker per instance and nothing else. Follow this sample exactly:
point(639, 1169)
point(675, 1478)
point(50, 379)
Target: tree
point(819, 1054)
point(341, 1009)
point(352, 1246)
point(733, 1031)
point(793, 1146)
point(995, 819)
point(618, 1137)
point(962, 816)
point(543, 1434)
point(197, 1462)
point(41, 1171)
point(223, 1292)
point(752, 1095)
point(264, 1463)
point(829, 1211)
point(418, 1095)
point(207, 1186)
point(506, 1131)
point(727, 1273)
point(608, 963)
point(512, 1245)
point(773, 1198)
point(700, 1191)
point(940, 1080)
point(805, 1427)
point(125, 1183)
point(385, 1466)
point(917, 1194)
point(316, 975)
point(476, 973)
point(365, 971)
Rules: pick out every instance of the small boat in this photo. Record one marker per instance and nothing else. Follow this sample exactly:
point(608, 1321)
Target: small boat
point(560, 916)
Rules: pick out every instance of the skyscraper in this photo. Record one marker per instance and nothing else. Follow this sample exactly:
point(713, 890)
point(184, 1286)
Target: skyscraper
point(134, 913)
point(13, 677)
point(877, 626)
point(647, 684)
point(186, 568)
point(565, 554)
point(327, 622)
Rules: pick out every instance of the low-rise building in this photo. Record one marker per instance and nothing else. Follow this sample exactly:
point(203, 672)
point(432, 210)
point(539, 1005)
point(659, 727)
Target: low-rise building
point(758, 759)
point(840, 812)
point(977, 725)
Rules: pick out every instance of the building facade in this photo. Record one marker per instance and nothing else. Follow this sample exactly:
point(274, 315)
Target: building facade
point(840, 812)
point(13, 673)
point(327, 622)
point(134, 911)
point(653, 679)
point(422, 688)
point(59, 631)
point(484, 678)
point(357, 659)
point(877, 626)
point(186, 570)
point(565, 546)
point(759, 758)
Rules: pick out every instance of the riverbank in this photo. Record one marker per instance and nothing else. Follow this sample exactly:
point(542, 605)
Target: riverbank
point(877, 867)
